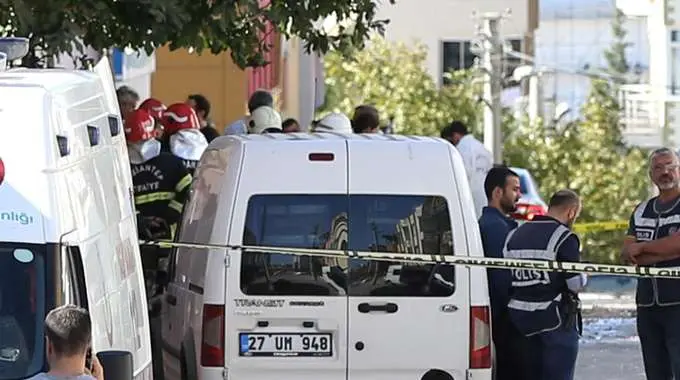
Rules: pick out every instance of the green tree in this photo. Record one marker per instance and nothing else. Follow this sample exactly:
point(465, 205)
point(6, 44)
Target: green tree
point(617, 64)
point(216, 25)
point(392, 77)
point(590, 158)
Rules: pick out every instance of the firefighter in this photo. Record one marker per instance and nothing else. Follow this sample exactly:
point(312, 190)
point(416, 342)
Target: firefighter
point(544, 305)
point(155, 107)
point(182, 136)
point(160, 182)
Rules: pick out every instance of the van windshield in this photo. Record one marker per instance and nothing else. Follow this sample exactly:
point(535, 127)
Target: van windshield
point(384, 223)
point(22, 299)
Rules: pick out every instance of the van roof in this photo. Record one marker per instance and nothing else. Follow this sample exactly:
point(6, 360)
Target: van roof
point(48, 79)
point(43, 109)
point(301, 136)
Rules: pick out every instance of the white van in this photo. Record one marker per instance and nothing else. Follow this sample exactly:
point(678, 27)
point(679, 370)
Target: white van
point(67, 223)
point(238, 316)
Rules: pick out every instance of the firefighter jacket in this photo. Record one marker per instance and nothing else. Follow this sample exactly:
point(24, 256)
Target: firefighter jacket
point(161, 183)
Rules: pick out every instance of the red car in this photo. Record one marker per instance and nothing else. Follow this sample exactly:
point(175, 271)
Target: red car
point(531, 203)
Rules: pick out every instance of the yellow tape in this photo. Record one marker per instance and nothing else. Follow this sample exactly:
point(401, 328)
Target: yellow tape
point(474, 261)
point(600, 226)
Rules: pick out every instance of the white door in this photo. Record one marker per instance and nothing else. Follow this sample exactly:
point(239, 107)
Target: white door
point(172, 321)
point(287, 315)
point(405, 319)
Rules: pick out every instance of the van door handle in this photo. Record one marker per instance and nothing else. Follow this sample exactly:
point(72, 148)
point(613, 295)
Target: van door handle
point(171, 299)
point(389, 308)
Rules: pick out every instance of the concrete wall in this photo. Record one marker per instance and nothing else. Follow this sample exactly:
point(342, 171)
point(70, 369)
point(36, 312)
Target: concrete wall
point(179, 74)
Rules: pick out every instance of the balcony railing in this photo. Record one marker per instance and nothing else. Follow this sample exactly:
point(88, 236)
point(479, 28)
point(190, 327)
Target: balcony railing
point(640, 109)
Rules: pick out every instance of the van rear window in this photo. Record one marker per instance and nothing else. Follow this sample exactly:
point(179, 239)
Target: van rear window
point(384, 223)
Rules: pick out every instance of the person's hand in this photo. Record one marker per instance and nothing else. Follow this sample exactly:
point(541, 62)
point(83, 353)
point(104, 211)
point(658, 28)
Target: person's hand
point(97, 369)
point(155, 222)
point(630, 252)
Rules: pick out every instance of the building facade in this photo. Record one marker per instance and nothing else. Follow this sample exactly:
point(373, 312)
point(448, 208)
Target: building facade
point(448, 29)
point(652, 109)
point(570, 44)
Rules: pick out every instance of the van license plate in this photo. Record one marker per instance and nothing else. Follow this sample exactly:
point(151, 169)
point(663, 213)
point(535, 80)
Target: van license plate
point(285, 344)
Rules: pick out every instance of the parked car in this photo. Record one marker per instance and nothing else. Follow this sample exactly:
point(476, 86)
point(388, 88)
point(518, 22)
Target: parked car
point(607, 294)
point(531, 203)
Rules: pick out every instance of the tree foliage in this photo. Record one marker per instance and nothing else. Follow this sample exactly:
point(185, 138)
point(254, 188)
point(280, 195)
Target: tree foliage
point(587, 156)
point(590, 158)
point(236, 26)
point(392, 77)
point(617, 64)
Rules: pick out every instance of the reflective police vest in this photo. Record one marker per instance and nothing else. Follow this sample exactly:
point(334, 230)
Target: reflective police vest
point(649, 222)
point(536, 296)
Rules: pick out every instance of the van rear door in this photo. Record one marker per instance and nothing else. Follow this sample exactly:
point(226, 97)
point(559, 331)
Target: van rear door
point(287, 315)
point(405, 319)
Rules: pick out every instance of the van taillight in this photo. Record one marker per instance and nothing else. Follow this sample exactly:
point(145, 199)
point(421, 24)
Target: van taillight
point(2, 171)
point(480, 337)
point(212, 346)
point(321, 157)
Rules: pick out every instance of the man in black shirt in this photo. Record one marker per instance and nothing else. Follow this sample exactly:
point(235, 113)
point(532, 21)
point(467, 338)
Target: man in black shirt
point(201, 105)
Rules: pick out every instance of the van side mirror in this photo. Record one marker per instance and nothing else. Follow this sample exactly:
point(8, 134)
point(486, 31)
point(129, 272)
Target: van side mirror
point(117, 365)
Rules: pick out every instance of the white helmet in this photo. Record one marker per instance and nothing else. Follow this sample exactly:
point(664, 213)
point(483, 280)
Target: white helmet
point(262, 119)
point(334, 122)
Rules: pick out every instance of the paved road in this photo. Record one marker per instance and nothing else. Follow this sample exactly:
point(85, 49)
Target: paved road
point(610, 351)
point(610, 361)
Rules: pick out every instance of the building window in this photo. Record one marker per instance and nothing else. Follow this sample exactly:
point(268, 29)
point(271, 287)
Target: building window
point(457, 55)
point(675, 63)
point(510, 63)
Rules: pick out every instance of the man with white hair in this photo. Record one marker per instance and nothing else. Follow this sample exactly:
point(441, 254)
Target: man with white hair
point(653, 239)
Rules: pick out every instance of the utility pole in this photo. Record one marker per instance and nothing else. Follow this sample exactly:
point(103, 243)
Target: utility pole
point(491, 58)
point(535, 98)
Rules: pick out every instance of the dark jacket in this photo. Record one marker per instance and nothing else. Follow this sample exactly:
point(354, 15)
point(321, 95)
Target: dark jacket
point(494, 228)
point(210, 133)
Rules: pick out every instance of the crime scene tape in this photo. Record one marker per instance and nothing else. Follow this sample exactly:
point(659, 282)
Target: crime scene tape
point(616, 225)
point(486, 262)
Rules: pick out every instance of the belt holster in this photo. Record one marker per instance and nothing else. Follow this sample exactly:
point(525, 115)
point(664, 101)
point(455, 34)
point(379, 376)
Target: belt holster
point(571, 307)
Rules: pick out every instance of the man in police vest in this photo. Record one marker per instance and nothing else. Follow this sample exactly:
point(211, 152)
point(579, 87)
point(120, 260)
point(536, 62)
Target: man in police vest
point(653, 239)
point(544, 305)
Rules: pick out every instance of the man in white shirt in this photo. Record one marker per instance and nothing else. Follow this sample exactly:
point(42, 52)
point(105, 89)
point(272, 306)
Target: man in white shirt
point(476, 159)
